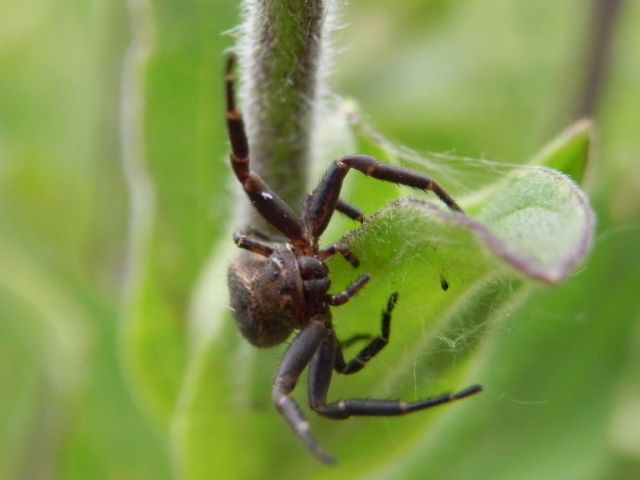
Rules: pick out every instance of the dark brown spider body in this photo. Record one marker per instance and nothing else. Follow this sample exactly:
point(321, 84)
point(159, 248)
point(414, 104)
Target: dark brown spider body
point(266, 296)
point(270, 297)
point(276, 290)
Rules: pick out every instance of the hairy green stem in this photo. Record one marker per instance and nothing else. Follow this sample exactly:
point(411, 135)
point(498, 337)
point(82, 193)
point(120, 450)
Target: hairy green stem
point(281, 67)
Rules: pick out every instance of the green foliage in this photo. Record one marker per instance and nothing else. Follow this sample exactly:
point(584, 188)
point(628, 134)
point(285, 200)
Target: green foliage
point(535, 224)
point(165, 385)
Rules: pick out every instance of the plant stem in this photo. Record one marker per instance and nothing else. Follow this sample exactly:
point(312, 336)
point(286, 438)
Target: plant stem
point(280, 58)
point(605, 14)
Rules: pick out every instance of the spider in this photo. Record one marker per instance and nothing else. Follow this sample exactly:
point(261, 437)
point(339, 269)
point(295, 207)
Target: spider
point(279, 288)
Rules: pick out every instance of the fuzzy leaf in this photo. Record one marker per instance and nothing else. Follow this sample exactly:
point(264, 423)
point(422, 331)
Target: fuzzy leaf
point(569, 151)
point(456, 276)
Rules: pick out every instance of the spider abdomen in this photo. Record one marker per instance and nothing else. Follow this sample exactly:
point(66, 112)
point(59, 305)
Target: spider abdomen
point(266, 296)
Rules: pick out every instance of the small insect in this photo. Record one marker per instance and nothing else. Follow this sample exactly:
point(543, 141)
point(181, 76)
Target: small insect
point(280, 288)
point(444, 284)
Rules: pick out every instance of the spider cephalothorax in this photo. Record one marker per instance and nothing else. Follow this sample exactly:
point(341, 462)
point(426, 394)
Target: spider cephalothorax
point(279, 288)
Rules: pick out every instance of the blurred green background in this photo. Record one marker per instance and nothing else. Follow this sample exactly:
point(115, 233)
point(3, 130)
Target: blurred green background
point(493, 79)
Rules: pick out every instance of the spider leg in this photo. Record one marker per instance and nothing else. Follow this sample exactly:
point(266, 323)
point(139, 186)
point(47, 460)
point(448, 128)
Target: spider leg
point(372, 348)
point(254, 232)
point(343, 250)
point(354, 288)
point(341, 206)
point(340, 364)
point(252, 244)
point(320, 372)
point(358, 337)
point(324, 200)
point(349, 210)
point(267, 202)
point(390, 173)
point(295, 360)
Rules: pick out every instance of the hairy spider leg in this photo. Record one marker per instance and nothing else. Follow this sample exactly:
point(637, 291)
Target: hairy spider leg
point(266, 201)
point(320, 377)
point(390, 173)
point(369, 351)
point(343, 250)
point(316, 346)
point(324, 362)
point(324, 200)
point(355, 287)
point(352, 340)
point(372, 348)
point(343, 207)
point(267, 237)
point(295, 360)
point(252, 244)
point(349, 210)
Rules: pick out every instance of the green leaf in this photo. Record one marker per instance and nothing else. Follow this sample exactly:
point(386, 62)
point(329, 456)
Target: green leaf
point(174, 141)
point(46, 345)
point(456, 277)
point(558, 363)
point(550, 383)
point(569, 151)
point(447, 268)
point(65, 411)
